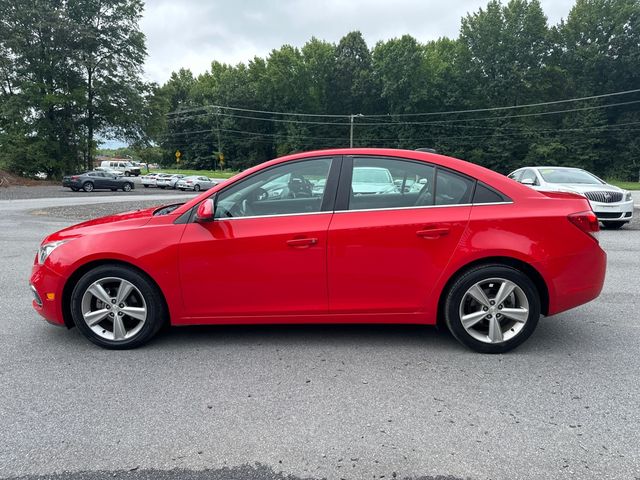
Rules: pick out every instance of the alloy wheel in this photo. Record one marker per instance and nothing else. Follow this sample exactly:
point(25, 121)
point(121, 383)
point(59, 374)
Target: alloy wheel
point(114, 309)
point(494, 310)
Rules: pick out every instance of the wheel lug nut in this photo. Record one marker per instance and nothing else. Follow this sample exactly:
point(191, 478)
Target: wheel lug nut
point(113, 301)
point(120, 313)
point(485, 308)
point(499, 307)
point(492, 302)
point(498, 315)
point(122, 305)
point(111, 314)
point(489, 316)
point(108, 307)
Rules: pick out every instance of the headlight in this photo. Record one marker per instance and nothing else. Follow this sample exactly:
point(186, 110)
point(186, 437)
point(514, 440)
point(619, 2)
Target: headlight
point(45, 250)
point(627, 196)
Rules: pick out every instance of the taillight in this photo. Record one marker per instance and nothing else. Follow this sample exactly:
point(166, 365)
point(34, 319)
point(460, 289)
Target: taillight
point(75, 177)
point(587, 222)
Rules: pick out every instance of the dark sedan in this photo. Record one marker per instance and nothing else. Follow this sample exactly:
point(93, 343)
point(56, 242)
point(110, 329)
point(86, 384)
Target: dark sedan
point(91, 181)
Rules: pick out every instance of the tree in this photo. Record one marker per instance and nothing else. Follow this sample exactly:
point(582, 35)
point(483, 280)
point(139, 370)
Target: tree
point(110, 50)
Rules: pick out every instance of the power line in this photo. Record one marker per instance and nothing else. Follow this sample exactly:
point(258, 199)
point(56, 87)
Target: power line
point(449, 112)
point(613, 127)
point(436, 122)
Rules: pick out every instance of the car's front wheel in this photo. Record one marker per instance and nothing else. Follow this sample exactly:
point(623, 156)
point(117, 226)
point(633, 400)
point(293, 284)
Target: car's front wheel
point(117, 307)
point(126, 187)
point(196, 188)
point(87, 186)
point(492, 308)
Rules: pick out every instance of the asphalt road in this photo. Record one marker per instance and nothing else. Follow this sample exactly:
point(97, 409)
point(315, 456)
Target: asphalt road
point(351, 402)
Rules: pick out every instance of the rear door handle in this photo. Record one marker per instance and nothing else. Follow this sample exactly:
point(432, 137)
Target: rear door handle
point(433, 233)
point(302, 242)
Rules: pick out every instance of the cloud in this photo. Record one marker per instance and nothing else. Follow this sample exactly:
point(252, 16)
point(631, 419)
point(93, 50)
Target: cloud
point(193, 33)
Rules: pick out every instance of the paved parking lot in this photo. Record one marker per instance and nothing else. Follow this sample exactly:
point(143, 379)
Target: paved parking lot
point(349, 402)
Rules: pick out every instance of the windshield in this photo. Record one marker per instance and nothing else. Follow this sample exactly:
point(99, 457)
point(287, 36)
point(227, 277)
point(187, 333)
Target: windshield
point(568, 175)
point(371, 175)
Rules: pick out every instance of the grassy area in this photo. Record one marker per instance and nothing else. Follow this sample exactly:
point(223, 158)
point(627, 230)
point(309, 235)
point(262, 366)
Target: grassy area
point(206, 173)
point(625, 185)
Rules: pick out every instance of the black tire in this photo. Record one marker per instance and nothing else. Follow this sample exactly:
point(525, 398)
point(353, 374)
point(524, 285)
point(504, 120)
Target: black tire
point(114, 189)
point(127, 174)
point(162, 187)
point(613, 225)
point(196, 188)
point(87, 186)
point(75, 189)
point(127, 187)
point(467, 280)
point(146, 186)
point(157, 315)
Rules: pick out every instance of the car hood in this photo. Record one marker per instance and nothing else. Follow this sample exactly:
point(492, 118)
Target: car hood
point(119, 221)
point(581, 187)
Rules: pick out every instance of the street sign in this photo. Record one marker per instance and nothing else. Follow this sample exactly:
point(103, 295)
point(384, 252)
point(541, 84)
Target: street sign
point(221, 159)
point(178, 154)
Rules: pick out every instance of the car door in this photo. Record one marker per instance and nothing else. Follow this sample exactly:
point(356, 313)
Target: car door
point(386, 250)
point(265, 252)
point(99, 180)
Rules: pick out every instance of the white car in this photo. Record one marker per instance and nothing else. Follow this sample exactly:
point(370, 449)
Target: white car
point(127, 168)
point(195, 183)
point(168, 180)
point(149, 180)
point(612, 205)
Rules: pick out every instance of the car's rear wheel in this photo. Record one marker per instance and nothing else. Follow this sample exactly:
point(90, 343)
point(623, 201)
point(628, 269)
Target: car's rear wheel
point(613, 225)
point(492, 309)
point(126, 187)
point(117, 307)
point(75, 189)
point(87, 186)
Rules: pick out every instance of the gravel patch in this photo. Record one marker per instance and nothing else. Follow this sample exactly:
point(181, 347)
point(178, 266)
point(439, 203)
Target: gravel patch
point(87, 212)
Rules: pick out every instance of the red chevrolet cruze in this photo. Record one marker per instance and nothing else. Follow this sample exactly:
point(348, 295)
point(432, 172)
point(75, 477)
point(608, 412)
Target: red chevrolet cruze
point(335, 236)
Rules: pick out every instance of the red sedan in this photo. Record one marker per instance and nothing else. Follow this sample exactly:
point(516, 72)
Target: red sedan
point(334, 236)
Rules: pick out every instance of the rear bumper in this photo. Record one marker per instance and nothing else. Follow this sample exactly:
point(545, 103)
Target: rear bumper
point(576, 279)
point(47, 287)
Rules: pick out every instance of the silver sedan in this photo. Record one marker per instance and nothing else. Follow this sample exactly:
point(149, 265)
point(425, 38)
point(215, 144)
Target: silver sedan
point(195, 183)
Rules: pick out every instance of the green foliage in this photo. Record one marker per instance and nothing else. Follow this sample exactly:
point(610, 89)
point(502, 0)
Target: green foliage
point(68, 71)
point(506, 55)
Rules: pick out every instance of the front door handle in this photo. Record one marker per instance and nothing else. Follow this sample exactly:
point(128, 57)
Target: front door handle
point(433, 233)
point(302, 242)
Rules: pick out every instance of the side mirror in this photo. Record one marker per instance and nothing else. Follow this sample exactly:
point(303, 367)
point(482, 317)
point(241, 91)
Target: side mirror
point(205, 212)
point(528, 181)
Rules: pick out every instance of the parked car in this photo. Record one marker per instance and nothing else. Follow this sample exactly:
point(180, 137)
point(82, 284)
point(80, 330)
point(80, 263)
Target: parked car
point(149, 180)
point(195, 183)
point(482, 254)
point(612, 205)
point(109, 170)
point(97, 180)
point(372, 180)
point(127, 168)
point(168, 181)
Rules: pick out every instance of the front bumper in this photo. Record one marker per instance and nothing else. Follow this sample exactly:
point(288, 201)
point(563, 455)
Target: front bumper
point(47, 287)
point(613, 212)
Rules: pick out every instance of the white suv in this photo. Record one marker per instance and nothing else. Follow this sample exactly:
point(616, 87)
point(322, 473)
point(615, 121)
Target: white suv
point(127, 168)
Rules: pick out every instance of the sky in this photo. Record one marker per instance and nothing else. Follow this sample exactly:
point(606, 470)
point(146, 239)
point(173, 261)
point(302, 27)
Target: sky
point(193, 33)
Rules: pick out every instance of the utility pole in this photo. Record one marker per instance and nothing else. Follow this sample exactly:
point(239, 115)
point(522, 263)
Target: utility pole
point(351, 117)
point(218, 131)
